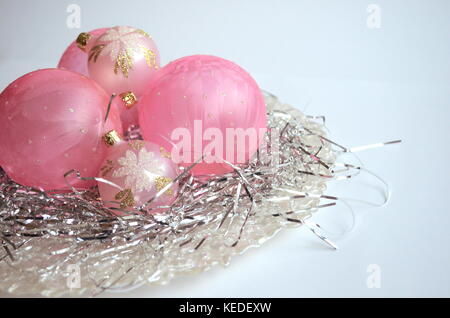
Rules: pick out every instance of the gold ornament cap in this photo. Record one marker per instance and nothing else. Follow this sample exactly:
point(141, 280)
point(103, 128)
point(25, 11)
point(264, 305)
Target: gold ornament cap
point(128, 99)
point(82, 40)
point(111, 138)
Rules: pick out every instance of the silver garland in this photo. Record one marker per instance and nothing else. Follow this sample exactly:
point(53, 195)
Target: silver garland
point(46, 238)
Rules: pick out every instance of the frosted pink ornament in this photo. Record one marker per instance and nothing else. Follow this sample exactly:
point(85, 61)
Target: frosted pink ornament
point(139, 170)
point(123, 59)
point(75, 57)
point(52, 121)
point(205, 97)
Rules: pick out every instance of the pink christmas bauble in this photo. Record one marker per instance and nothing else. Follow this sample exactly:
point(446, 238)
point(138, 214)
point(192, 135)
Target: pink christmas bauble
point(75, 57)
point(138, 170)
point(52, 121)
point(123, 59)
point(204, 106)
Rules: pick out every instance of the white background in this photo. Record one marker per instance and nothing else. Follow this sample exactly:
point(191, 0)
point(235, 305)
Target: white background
point(372, 85)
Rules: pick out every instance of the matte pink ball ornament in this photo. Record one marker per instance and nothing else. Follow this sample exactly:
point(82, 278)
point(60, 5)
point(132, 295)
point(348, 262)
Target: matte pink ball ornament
point(52, 121)
point(138, 170)
point(204, 97)
point(123, 60)
point(75, 57)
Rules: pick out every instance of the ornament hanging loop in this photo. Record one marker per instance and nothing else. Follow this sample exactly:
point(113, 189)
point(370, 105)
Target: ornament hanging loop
point(108, 109)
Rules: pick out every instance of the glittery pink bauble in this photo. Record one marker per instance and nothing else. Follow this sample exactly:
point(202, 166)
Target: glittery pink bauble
point(52, 121)
point(75, 59)
point(123, 59)
point(139, 170)
point(204, 96)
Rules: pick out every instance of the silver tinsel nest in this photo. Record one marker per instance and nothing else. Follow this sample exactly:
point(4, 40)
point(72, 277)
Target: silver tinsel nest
point(69, 244)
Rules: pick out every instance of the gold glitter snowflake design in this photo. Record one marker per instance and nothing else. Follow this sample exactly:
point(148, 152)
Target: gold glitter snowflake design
point(139, 169)
point(107, 167)
point(165, 153)
point(161, 183)
point(137, 144)
point(126, 198)
point(122, 44)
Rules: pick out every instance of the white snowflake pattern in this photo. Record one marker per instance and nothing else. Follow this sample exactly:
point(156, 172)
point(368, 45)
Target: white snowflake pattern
point(119, 39)
point(140, 170)
point(122, 44)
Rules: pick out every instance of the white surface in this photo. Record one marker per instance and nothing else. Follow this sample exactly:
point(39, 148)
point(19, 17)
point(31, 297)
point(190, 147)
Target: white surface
point(372, 84)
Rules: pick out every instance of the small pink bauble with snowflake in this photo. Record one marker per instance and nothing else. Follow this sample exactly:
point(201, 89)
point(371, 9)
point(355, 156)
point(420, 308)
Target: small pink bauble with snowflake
point(75, 57)
point(53, 121)
point(135, 172)
point(123, 60)
point(204, 106)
